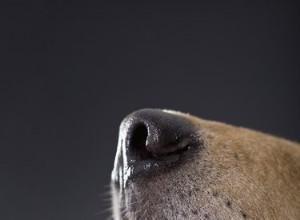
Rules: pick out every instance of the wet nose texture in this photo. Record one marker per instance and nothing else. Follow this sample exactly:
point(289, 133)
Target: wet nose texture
point(157, 134)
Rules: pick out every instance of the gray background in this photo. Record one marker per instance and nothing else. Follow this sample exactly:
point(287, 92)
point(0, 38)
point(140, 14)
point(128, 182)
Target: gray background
point(70, 71)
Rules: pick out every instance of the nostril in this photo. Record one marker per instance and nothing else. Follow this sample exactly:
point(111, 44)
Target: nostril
point(138, 141)
point(156, 135)
point(153, 139)
point(141, 146)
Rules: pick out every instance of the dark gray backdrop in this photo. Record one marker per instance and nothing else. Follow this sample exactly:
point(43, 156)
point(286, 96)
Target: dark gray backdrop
point(71, 71)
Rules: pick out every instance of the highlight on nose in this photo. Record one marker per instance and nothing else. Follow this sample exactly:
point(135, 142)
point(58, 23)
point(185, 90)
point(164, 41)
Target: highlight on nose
point(155, 133)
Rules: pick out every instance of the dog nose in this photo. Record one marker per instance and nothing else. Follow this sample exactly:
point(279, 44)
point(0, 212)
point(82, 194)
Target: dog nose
point(150, 139)
point(155, 133)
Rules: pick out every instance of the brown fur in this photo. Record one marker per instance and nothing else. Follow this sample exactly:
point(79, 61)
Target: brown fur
point(238, 174)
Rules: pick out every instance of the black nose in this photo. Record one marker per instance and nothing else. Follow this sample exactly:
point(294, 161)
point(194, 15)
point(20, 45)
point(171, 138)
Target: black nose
point(155, 133)
point(150, 136)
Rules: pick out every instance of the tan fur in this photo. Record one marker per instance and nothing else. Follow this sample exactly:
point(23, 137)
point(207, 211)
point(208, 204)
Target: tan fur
point(239, 174)
point(261, 173)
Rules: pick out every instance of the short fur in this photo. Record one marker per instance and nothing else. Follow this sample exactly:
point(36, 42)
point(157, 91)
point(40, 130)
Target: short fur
point(238, 174)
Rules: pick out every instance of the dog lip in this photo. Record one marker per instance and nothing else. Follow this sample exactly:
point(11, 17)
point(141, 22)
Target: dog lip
point(146, 166)
point(136, 168)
